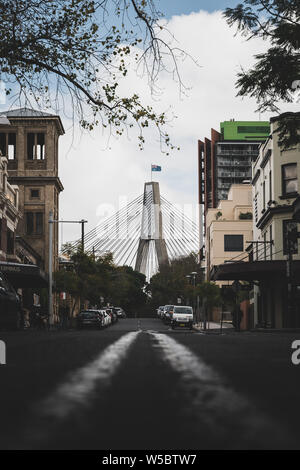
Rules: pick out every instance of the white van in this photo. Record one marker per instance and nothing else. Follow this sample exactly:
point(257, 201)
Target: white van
point(182, 316)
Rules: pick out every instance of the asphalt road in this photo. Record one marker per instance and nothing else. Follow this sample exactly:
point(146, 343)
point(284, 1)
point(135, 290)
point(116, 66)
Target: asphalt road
point(141, 385)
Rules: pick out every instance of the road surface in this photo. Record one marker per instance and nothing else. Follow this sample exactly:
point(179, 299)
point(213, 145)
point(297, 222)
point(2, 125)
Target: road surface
point(141, 385)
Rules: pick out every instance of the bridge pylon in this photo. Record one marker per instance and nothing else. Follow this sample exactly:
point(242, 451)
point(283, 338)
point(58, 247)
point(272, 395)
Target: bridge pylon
point(151, 230)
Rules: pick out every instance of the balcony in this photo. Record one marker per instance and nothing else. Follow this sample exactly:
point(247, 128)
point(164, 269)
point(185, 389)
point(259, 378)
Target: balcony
point(233, 163)
point(251, 153)
point(234, 174)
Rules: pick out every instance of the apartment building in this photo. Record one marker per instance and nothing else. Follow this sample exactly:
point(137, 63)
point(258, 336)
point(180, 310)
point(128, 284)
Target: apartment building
point(275, 197)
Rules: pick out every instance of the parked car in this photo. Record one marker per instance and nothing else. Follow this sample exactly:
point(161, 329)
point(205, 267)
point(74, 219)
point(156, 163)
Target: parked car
point(90, 318)
point(106, 318)
point(160, 311)
point(182, 316)
point(113, 314)
point(120, 312)
point(10, 307)
point(168, 312)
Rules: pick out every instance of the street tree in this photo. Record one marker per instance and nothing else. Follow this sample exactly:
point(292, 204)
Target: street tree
point(171, 281)
point(209, 295)
point(75, 52)
point(275, 75)
point(89, 278)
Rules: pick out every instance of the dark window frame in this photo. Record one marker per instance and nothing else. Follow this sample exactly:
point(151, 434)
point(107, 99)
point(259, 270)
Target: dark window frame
point(37, 226)
point(284, 179)
point(229, 246)
point(38, 192)
point(7, 142)
point(33, 146)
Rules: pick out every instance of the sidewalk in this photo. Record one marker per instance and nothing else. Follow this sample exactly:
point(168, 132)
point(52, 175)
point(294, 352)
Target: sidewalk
point(213, 327)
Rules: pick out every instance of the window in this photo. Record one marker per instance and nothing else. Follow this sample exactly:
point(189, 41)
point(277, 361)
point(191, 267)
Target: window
point(233, 243)
point(34, 223)
point(271, 243)
point(270, 185)
point(35, 146)
point(289, 179)
point(288, 225)
point(8, 144)
point(253, 129)
point(34, 193)
point(264, 195)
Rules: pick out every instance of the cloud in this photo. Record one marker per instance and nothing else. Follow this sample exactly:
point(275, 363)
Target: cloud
point(95, 174)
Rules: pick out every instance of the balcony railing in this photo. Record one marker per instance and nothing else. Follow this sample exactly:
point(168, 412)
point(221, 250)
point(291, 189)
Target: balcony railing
point(234, 174)
point(232, 163)
point(237, 152)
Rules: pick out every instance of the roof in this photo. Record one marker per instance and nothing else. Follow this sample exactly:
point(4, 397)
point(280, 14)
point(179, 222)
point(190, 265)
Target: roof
point(31, 114)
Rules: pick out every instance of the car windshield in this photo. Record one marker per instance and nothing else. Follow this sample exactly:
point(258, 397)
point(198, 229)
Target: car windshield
point(183, 310)
point(91, 313)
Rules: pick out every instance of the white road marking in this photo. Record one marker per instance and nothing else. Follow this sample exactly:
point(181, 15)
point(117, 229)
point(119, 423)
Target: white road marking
point(229, 416)
point(81, 383)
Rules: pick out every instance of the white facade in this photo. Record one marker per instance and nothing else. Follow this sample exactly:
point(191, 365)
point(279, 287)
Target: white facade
point(275, 186)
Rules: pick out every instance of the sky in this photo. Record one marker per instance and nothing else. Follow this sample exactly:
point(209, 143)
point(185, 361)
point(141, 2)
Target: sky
point(179, 7)
point(101, 174)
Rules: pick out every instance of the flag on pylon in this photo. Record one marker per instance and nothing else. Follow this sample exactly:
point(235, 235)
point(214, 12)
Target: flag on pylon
point(155, 168)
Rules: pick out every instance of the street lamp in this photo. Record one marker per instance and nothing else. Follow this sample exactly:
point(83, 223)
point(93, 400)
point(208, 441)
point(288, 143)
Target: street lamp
point(51, 221)
point(194, 274)
point(188, 276)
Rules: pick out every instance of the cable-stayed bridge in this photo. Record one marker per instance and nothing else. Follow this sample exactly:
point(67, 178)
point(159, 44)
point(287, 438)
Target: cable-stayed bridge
point(145, 234)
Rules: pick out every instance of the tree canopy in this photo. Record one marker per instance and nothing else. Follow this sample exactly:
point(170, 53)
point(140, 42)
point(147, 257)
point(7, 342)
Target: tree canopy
point(90, 278)
point(171, 282)
point(276, 73)
point(76, 51)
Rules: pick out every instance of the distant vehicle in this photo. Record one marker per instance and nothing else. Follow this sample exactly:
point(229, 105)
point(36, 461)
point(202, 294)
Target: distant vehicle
point(168, 313)
point(182, 316)
point(160, 311)
point(90, 318)
point(120, 312)
point(10, 307)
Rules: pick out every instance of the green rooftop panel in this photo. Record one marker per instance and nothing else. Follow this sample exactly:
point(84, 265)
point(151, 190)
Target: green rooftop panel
point(245, 130)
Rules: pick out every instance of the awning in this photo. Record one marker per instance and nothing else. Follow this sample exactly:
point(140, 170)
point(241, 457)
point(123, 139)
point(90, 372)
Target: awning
point(254, 271)
point(24, 275)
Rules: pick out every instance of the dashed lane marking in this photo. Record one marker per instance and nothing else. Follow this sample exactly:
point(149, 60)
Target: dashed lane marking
point(227, 415)
point(81, 383)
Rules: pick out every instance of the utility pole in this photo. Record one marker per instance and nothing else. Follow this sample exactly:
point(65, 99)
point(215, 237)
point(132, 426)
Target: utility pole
point(82, 233)
point(50, 269)
point(289, 276)
point(51, 221)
